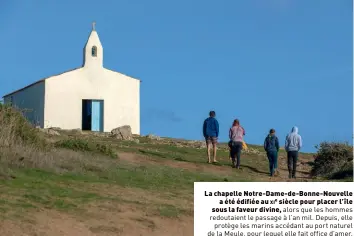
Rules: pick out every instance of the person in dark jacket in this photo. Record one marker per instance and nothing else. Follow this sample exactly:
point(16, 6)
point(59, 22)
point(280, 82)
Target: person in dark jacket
point(271, 146)
point(211, 134)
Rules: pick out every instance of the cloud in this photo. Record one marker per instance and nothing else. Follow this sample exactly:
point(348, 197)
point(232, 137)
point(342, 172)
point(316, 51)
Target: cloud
point(153, 114)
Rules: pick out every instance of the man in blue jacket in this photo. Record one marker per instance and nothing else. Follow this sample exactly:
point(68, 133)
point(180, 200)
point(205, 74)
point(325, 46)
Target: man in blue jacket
point(293, 144)
point(211, 134)
point(271, 146)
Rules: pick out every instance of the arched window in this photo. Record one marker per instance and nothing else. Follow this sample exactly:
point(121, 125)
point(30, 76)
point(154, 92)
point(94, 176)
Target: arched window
point(94, 51)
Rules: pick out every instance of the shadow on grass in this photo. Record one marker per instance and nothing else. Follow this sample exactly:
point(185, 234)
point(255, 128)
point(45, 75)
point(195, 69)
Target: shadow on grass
point(304, 172)
point(164, 155)
point(152, 153)
point(298, 171)
point(254, 169)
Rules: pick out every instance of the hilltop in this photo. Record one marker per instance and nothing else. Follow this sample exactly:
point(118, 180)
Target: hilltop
point(70, 182)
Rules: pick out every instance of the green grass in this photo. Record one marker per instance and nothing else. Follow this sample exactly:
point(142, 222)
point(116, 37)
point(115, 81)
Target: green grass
point(85, 145)
point(184, 154)
point(37, 188)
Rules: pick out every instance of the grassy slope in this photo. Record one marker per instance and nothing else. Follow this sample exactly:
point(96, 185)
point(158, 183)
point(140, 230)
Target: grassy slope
point(61, 185)
point(155, 177)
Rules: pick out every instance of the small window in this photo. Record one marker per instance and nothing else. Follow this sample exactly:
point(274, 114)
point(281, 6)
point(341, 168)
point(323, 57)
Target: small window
point(94, 51)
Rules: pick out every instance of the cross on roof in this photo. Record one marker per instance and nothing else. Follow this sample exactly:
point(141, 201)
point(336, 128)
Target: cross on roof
point(93, 25)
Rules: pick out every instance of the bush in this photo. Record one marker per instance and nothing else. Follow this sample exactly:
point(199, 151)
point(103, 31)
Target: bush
point(83, 145)
point(333, 161)
point(16, 130)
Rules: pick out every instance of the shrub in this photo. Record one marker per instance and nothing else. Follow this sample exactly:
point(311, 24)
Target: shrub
point(16, 130)
point(83, 145)
point(333, 161)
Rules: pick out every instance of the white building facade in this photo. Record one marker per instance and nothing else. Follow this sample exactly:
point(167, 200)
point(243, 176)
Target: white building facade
point(89, 98)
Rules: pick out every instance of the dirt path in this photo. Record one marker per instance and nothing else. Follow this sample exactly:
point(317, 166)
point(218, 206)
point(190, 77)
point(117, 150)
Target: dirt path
point(142, 159)
point(302, 168)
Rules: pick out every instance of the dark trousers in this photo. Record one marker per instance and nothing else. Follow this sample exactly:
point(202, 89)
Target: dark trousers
point(273, 161)
point(292, 161)
point(236, 148)
point(276, 161)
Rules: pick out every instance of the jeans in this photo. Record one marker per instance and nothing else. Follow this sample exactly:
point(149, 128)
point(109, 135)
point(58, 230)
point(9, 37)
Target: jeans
point(236, 153)
point(292, 161)
point(273, 161)
point(276, 161)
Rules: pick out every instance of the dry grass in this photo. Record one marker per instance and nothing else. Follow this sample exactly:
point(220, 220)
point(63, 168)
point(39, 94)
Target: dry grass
point(56, 160)
point(16, 131)
point(23, 146)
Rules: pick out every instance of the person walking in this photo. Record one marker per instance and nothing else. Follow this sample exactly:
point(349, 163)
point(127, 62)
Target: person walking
point(211, 134)
point(271, 146)
point(293, 144)
point(236, 134)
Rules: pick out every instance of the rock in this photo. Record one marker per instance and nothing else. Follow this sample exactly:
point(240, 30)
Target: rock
point(50, 131)
point(179, 145)
point(77, 131)
point(53, 132)
point(154, 137)
point(201, 144)
point(137, 141)
point(252, 151)
point(56, 128)
point(101, 134)
point(123, 132)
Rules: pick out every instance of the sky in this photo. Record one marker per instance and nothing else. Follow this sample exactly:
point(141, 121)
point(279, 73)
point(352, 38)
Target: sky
point(269, 63)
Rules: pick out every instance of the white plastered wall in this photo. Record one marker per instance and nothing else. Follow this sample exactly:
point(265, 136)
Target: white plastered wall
point(64, 94)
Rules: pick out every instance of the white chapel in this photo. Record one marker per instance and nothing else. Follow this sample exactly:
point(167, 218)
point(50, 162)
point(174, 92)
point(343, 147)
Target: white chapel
point(89, 98)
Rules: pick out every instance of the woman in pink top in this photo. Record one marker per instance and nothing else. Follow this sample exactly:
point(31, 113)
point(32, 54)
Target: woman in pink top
point(236, 134)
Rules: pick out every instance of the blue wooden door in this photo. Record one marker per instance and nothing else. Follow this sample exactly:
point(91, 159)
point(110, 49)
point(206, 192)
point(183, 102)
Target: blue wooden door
point(97, 116)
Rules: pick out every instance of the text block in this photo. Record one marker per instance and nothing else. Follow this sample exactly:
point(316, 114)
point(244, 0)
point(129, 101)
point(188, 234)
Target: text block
point(273, 209)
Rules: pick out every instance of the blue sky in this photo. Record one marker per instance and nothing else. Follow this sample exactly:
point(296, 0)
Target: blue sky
point(270, 63)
